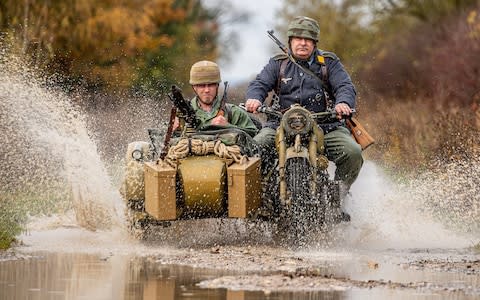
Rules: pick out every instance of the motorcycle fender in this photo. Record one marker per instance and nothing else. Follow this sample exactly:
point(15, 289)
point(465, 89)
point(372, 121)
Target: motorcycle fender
point(291, 153)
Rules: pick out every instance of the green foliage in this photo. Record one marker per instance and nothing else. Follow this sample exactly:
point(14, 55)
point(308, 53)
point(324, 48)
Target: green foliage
point(33, 200)
point(11, 219)
point(170, 64)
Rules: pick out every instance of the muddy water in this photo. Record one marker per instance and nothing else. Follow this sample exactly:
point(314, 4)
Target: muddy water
point(76, 276)
point(409, 240)
point(86, 265)
point(87, 276)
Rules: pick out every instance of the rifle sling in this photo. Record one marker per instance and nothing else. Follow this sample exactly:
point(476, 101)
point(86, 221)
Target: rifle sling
point(323, 80)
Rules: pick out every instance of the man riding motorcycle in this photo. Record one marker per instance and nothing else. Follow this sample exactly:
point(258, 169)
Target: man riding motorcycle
point(316, 80)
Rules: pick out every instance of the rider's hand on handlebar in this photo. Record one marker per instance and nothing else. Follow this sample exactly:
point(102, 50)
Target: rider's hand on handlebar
point(342, 110)
point(252, 105)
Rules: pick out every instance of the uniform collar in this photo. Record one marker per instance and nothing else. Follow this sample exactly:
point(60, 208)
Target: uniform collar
point(311, 59)
point(196, 107)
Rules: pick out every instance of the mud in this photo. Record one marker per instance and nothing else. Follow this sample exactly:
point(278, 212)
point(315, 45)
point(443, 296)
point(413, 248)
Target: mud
point(273, 269)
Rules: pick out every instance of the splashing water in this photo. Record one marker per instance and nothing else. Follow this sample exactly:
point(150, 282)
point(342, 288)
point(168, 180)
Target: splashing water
point(48, 150)
point(416, 214)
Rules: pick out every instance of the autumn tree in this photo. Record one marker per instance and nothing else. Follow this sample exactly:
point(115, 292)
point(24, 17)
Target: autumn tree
point(425, 10)
point(111, 43)
point(343, 27)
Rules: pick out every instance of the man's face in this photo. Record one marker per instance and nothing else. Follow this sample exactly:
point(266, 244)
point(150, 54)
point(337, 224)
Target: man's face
point(301, 47)
point(206, 92)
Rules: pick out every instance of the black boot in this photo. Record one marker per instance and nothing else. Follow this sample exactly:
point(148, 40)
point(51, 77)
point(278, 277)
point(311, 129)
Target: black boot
point(345, 217)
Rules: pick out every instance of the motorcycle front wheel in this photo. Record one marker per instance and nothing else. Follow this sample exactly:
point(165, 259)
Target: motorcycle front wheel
point(300, 214)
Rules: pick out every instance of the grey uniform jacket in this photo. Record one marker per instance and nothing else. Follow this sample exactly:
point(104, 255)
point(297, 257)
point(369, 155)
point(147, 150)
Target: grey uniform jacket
point(299, 87)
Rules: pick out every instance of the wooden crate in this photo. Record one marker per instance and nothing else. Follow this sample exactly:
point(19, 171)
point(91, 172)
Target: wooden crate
point(244, 188)
point(160, 197)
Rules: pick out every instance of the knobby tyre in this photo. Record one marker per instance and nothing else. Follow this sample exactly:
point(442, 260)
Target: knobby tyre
point(297, 218)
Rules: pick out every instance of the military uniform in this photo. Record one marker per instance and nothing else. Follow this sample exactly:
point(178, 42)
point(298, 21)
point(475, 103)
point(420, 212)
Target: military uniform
point(296, 86)
point(236, 117)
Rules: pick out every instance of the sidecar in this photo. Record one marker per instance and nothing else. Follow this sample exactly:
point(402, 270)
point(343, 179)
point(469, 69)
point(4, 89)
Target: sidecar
point(203, 175)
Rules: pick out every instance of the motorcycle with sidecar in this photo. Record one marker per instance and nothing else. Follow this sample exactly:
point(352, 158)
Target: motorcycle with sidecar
point(216, 173)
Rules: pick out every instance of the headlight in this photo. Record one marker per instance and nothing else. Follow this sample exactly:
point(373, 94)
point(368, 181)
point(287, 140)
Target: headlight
point(137, 154)
point(297, 120)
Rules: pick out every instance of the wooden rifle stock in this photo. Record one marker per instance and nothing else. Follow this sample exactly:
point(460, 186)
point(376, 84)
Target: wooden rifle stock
point(168, 136)
point(223, 103)
point(360, 133)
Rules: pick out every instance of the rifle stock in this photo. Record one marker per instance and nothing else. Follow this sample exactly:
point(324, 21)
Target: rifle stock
point(223, 103)
point(360, 133)
point(168, 136)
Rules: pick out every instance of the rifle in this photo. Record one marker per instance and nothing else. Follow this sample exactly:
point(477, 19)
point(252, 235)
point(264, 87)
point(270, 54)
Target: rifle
point(168, 135)
point(222, 111)
point(359, 133)
point(279, 44)
point(292, 59)
point(185, 108)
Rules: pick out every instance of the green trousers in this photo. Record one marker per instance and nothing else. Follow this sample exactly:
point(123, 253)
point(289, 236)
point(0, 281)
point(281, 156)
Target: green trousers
point(340, 148)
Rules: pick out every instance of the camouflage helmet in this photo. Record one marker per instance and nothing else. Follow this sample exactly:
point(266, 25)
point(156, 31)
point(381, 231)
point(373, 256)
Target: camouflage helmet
point(203, 72)
point(304, 27)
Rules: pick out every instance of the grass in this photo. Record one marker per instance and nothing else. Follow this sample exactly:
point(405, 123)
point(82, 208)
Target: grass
point(17, 206)
point(11, 220)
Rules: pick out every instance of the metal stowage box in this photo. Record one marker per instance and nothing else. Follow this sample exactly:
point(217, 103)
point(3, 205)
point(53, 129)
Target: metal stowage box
point(244, 188)
point(160, 200)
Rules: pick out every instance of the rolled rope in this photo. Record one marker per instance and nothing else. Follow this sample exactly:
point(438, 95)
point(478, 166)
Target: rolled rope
point(199, 147)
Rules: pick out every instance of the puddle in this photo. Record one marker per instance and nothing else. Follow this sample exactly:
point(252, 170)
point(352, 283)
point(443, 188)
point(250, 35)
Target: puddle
point(46, 275)
point(87, 276)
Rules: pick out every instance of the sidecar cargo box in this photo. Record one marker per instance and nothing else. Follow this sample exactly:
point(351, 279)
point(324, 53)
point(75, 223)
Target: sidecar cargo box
point(160, 199)
point(244, 188)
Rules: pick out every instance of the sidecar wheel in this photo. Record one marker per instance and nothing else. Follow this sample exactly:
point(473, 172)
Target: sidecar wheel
point(137, 220)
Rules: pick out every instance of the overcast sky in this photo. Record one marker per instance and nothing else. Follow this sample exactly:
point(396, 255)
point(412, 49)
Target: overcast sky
point(255, 47)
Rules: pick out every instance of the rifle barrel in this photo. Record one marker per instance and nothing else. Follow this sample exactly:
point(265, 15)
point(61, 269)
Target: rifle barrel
point(277, 41)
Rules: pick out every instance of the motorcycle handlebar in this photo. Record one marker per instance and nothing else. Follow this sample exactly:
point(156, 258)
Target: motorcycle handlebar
point(320, 116)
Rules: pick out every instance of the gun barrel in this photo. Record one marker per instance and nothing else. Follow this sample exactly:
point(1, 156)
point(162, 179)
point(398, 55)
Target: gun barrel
point(277, 41)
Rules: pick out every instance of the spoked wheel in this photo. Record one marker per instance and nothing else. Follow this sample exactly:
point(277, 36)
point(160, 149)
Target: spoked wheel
point(300, 215)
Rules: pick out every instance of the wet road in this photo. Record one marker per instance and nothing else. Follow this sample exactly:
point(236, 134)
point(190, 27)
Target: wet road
point(74, 263)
